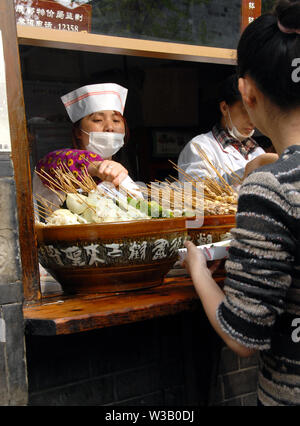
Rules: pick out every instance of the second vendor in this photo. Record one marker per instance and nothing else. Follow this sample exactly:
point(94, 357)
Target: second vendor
point(229, 145)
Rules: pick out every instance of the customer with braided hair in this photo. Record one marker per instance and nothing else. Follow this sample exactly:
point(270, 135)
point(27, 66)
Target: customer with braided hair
point(259, 306)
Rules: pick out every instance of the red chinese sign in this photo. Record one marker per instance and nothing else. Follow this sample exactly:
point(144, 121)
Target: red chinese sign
point(250, 11)
point(52, 14)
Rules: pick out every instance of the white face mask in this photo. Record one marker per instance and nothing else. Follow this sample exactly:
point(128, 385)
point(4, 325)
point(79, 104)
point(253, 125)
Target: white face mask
point(105, 144)
point(234, 132)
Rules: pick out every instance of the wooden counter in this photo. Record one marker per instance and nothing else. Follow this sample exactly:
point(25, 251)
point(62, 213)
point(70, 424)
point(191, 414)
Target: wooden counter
point(73, 314)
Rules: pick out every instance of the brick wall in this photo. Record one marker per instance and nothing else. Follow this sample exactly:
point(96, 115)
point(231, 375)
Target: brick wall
point(164, 362)
point(236, 380)
point(13, 381)
point(171, 361)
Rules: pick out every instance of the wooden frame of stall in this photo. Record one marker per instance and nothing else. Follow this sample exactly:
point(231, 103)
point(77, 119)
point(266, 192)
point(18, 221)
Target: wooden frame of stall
point(70, 314)
point(43, 37)
point(20, 152)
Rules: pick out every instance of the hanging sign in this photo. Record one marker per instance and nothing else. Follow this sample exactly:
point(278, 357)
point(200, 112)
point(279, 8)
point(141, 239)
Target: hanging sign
point(56, 15)
point(250, 11)
point(5, 144)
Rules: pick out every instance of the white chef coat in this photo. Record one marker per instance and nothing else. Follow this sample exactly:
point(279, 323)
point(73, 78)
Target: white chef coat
point(222, 158)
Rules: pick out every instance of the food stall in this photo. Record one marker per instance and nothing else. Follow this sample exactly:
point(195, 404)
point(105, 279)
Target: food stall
point(139, 347)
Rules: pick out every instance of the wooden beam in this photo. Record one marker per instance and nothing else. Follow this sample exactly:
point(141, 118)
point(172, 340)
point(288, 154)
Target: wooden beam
point(67, 315)
point(44, 37)
point(20, 151)
point(78, 313)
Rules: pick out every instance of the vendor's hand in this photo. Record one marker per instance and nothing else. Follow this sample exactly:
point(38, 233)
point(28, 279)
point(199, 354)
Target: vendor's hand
point(259, 161)
point(195, 260)
point(111, 171)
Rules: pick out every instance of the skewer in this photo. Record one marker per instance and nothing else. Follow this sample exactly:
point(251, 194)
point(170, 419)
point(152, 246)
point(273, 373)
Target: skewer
point(45, 209)
point(189, 178)
point(205, 157)
point(44, 201)
point(175, 194)
point(40, 214)
point(63, 186)
point(87, 183)
point(49, 179)
point(209, 182)
point(235, 174)
point(214, 192)
point(58, 194)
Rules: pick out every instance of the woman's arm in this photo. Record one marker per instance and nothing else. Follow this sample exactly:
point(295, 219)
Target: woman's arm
point(259, 161)
point(210, 294)
point(259, 268)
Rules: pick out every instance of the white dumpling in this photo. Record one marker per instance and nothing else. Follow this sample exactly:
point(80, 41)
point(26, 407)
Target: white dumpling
point(76, 203)
point(62, 217)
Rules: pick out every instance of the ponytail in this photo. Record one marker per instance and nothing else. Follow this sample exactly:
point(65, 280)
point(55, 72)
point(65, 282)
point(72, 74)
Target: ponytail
point(288, 15)
point(269, 52)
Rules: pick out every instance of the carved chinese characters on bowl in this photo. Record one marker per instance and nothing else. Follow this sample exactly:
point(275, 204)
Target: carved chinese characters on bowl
point(213, 229)
point(111, 257)
point(110, 253)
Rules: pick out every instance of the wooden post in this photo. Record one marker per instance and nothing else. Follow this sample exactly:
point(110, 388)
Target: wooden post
point(20, 152)
point(251, 9)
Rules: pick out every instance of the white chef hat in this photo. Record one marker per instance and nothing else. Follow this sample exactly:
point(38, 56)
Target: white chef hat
point(95, 97)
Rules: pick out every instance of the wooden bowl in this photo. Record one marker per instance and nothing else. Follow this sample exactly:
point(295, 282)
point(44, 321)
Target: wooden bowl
point(213, 229)
point(111, 257)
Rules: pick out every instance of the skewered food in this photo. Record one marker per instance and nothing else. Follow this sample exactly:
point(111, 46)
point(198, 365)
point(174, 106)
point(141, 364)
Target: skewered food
point(89, 203)
point(93, 204)
point(63, 217)
point(92, 209)
point(217, 196)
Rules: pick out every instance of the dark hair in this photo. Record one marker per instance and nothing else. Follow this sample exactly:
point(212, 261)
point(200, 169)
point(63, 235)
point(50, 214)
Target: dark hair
point(266, 54)
point(228, 90)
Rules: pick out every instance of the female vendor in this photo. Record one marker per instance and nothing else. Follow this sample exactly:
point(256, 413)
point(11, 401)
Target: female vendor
point(99, 131)
point(229, 145)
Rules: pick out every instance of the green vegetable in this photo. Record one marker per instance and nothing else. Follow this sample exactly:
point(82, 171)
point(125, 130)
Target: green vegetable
point(151, 208)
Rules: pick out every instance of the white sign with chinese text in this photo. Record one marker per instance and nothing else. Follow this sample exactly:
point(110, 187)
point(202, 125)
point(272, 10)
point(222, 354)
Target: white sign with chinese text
point(5, 144)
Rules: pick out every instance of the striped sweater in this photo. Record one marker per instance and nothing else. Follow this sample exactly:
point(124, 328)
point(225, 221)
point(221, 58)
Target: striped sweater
point(261, 308)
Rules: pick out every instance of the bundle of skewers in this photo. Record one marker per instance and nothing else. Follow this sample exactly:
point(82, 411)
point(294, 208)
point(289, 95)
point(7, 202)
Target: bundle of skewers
point(61, 184)
point(86, 202)
point(208, 195)
point(81, 202)
point(199, 195)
